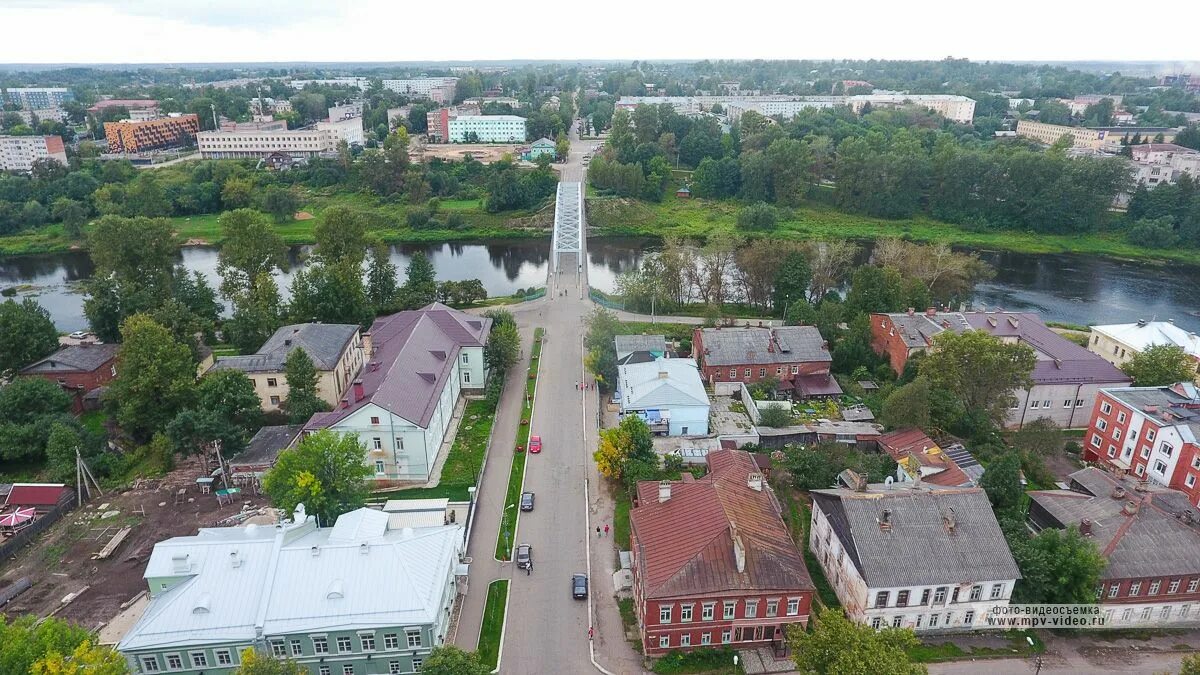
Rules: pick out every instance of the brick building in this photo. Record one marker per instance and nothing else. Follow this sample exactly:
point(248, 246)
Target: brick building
point(797, 356)
point(1149, 537)
point(158, 134)
point(1150, 433)
point(1066, 377)
point(78, 369)
point(732, 576)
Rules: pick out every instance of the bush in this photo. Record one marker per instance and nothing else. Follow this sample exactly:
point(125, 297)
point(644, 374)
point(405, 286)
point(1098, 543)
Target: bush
point(760, 216)
point(1153, 233)
point(774, 417)
point(419, 220)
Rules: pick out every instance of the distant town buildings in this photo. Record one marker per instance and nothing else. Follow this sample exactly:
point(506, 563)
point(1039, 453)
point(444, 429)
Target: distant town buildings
point(346, 111)
point(142, 107)
point(540, 147)
point(958, 108)
point(486, 129)
point(35, 98)
point(1157, 163)
point(1108, 139)
point(358, 82)
point(259, 142)
point(18, 153)
point(173, 131)
point(437, 89)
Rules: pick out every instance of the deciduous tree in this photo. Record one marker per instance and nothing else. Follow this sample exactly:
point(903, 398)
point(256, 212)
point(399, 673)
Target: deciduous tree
point(326, 472)
point(835, 645)
point(156, 378)
point(450, 660)
point(302, 400)
point(907, 406)
point(1057, 567)
point(1160, 365)
point(382, 289)
point(1002, 483)
point(29, 409)
point(420, 284)
point(85, 659)
point(250, 249)
point(980, 371)
point(26, 334)
point(260, 663)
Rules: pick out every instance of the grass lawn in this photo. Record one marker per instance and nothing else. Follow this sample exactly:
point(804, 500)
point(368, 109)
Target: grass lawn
point(93, 421)
point(491, 631)
point(798, 515)
point(713, 661)
point(516, 473)
point(702, 217)
point(621, 505)
point(1018, 646)
point(461, 205)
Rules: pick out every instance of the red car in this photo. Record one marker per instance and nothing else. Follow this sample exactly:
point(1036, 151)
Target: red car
point(535, 443)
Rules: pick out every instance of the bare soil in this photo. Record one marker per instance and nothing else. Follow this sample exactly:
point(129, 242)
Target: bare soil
point(60, 561)
point(484, 153)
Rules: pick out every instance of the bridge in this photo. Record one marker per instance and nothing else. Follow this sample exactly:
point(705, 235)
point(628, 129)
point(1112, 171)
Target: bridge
point(568, 225)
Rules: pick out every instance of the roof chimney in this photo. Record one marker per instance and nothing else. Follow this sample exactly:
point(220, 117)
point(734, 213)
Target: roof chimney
point(948, 521)
point(287, 342)
point(1130, 508)
point(1118, 493)
point(739, 549)
point(664, 491)
point(1014, 321)
point(930, 311)
point(179, 563)
point(358, 389)
point(885, 519)
point(1085, 527)
point(755, 481)
point(912, 311)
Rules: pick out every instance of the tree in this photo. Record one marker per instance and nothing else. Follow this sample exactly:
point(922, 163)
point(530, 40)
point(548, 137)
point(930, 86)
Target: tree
point(875, 289)
point(260, 663)
point(774, 416)
point(134, 258)
point(792, 278)
point(61, 445)
point(326, 472)
point(420, 285)
point(830, 261)
point(72, 214)
point(281, 203)
point(1190, 665)
point(502, 349)
point(29, 409)
point(156, 378)
point(341, 236)
point(382, 290)
point(331, 293)
point(627, 451)
point(1002, 483)
point(817, 467)
point(601, 359)
point(907, 406)
point(1057, 567)
point(85, 659)
point(250, 248)
point(759, 216)
point(26, 334)
point(1160, 365)
point(27, 640)
point(302, 400)
point(980, 371)
point(835, 645)
point(257, 314)
point(450, 660)
point(1039, 438)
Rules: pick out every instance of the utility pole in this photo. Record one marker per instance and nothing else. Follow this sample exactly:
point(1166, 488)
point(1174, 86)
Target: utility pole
point(214, 113)
point(83, 475)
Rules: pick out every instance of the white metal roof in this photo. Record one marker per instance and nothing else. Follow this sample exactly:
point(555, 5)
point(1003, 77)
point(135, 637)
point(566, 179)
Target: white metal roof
point(1150, 333)
point(662, 383)
point(295, 577)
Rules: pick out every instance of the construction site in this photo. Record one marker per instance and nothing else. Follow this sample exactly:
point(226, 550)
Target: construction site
point(456, 152)
point(87, 568)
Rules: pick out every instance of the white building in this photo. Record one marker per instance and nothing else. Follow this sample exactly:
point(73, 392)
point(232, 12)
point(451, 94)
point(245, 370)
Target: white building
point(398, 116)
point(346, 110)
point(38, 98)
point(348, 129)
point(254, 144)
point(958, 108)
point(437, 89)
point(487, 128)
point(28, 116)
point(914, 556)
point(667, 393)
point(18, 153)
point(1118, 343)
point(360, 82)
point(402, 405)
point(1156, 163)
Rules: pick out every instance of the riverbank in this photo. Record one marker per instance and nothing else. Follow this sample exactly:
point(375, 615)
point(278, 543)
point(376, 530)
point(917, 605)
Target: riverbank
point(387, 221)
point(610, 216)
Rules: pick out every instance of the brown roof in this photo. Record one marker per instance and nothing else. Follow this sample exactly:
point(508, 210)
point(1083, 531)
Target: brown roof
point(700, 558)
point(922, 451)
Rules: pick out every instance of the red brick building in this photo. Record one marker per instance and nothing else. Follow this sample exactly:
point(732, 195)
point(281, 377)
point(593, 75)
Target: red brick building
point(797, 356)
point(713, 562)
point(78, 369)
point(1151, 433)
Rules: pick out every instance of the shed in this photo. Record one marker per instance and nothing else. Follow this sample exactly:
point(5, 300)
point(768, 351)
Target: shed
point(683, 193)
point(39, 495)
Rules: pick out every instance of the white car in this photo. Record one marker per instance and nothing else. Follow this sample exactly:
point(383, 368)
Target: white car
point(79, 335)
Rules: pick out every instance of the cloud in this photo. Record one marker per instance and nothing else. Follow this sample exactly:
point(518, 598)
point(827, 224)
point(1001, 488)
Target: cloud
point(212, 13)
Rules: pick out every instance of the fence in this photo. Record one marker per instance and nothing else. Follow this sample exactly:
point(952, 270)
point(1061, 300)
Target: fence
point(605, 300)
point(13, 544)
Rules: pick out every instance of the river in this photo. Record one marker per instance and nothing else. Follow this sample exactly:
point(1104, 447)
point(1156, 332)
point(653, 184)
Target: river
point(1071, 288)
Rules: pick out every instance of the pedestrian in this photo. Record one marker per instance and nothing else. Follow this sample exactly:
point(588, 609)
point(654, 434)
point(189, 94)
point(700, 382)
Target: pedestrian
point(598, 531)
point(576, 385)
point(529, 569)
point(606, 529)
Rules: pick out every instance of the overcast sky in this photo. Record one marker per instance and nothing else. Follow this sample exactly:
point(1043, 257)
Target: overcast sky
point(180, 31)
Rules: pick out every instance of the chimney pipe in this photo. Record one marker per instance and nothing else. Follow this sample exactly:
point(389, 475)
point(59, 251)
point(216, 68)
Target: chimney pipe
point(755, 481)
point(1085, 527)
point(930, 311)
point(358, 389)
point(664, 491)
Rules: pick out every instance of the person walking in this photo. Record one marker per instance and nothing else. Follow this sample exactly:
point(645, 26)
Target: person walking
point(606, 529)
point(598, 531)
point(576, 385)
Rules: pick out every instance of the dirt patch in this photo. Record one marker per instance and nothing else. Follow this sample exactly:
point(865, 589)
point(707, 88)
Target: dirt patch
point(60, 561)
point(304, 215)
point(1061, 465)
point(196, 241)
point(457, 152)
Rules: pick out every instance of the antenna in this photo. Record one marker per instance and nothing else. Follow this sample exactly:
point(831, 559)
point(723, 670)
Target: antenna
point(82, 477)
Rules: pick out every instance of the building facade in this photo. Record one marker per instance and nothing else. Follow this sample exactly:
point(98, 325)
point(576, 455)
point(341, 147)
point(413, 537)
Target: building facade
point(78, 369)
point(906, 556)
point(1107, 139)
point(346, 129)
point(486, 129)
point(257, 144)
point(437, 89)
point(357, 598)
point(1149, 432)
point(1149, 539)
point(402, 404)
point(796, 356)
point(34, 98)
point(174, 131)
point(731, 578)
point(667, 393)
point(336, 351)
point(18, 153)
point(1118, 343)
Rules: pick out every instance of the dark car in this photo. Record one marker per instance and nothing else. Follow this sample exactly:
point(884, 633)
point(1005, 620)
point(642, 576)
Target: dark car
point(524, 556)
point(579, 586)
point(526, 501)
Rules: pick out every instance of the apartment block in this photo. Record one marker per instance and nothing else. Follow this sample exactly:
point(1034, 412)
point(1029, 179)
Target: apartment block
point(359, 82)
point(958, 108)
point(487, 128)
point(1107, 139)
point(159, 134)
point(18, 153)
point(437, 89)
point(34, 98)
point(348, 129)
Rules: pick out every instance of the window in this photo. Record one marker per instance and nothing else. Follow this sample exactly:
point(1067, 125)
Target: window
point(1096, 440)
point(467, 376)
point(1160, 467)
point(939, 596)
point(1183, 611)
point(920, 618)
point(1105, 408)
point(150, 664)
point(1127, 615)
point(1121, 417)
point(933, 620)
point(685, 640)
point(199, 660)
point(1173, 587)
point(730, 609)
point(706, 638)
point(391, 641)
point(895, 622)
point(1035, 404)
point(747, 372)
point(174, 662)
point(881, 598)
point(1112, 451)
point(751, 609)
point(320, 645)
point(969, 618)
point(374, 420)
point(772, 608)
point(1141, 470)
point(343, 645)
point(1102, 425)
point(368, 642)
point(272, 382)
point(732, 373)
point(379, 467)
point(399, 442)
point(278, 649)
point(1146, 613)
point(779, 370)
point(1135, 588)
point(1196, 462)
point(976, 593)
point(414, 637)
point(726, 636)
point(902, 599)
point(376, 443)
point(762, 372)
point(925, 597)
point(1145, 452)
point(997, 590)
point(394, 668)
point(664, 614)
point(348, 669)
point(466, 358)
point(1192, 585)
point(274, 400)
point(1150, 434)
point(1166, 449)
point(795, 370)
point(876, 622)
point(1165, 613)
point(1190, 481)
point(664, 641)
point(954, 595)
point(1046, 404)
point(685, 612)
point(1116, 434)
point(1067, 403)
point(1078, 403)
point(707, 610)
point(297, 650)
point(1154, 585)
point(224, 657)
point(793, 606)
point(1113, 590)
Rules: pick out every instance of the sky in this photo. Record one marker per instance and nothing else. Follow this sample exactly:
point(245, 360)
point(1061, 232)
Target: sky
point(190, 31)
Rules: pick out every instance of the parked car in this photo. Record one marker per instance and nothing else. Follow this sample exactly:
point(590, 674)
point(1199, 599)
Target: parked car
point(524, 556)
point(526, 501)
point(579, 586)
point(535, 444)
point(78, 335)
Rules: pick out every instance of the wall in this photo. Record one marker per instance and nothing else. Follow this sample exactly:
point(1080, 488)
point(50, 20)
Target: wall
point(720, 630)
point(1074, 417)
point(471, 371)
